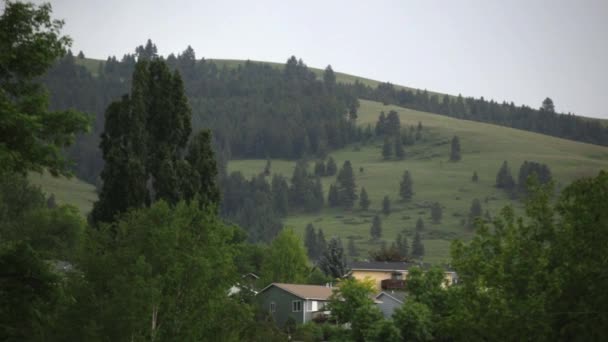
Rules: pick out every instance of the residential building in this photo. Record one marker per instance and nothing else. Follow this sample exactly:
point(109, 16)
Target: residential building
point(389, 301)
point(301, 302)
point(391, 275)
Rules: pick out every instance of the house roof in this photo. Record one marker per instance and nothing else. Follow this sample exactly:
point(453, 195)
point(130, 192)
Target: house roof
point(398, 296)
point(316, 292)
point(385, 265)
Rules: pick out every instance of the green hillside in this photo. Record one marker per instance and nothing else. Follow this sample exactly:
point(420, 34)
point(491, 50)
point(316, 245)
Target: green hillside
point(484, 148)
point(67, 191)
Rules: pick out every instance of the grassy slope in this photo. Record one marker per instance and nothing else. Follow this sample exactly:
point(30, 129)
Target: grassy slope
point(484, 147)
point(67, 191)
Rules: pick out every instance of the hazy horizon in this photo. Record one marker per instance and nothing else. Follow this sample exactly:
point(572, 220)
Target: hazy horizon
point(522, 52)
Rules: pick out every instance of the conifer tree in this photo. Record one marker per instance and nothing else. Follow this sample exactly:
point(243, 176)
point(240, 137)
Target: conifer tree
point(386, 205)
point(475, 178)
point(321, 243)
point(474, 212)
point(417, 246)
point(346, 186)
point(280, 194)
point(419, 224)
point(393, 124)
point(376, 228)
point(317, 193)
point(406, 190)
point(267, 167)
point(331, 167)
point(332, 262)
point(387, 149)
point(310, 242)
point(320, 168)
point(436, 212)
point(352, 248)
point(455, 149)
point(364, 201)
point(329, 79)
point(504, 179)
point(402, 245)
point(332, 196)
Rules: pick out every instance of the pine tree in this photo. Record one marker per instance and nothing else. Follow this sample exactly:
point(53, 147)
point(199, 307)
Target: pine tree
point(475, 178)
point(332, 196)
point(346, 186)
point(436, 212)
point(455, 150)
point(402, 245)
point(331, 167)
point(320, 168)
point(399, 150)
point(51, 203)
point(406, 190)
point(280, 194)
point(376, 228)
point(417, 246)
point(419, 224)
point(364, 201)
point(321, 243)
point(332, 262)
point(201, 160)
point(504, 179)
point(387, 149)
point(329, 79)
point(310, 242)
point(386, 205)
point(393, 124)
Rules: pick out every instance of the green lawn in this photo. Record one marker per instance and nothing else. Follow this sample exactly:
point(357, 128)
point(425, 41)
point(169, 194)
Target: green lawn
point(484, 147)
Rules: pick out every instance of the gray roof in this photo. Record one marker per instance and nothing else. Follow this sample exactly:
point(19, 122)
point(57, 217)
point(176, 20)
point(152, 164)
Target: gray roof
point(396, 295)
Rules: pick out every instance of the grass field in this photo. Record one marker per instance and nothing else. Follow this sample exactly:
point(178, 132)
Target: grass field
point(71, 191)
point(484, 148)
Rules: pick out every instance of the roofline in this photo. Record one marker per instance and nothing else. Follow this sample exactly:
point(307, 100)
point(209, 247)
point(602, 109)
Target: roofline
point(388, 294)
point(295, 294)
point(387, 270)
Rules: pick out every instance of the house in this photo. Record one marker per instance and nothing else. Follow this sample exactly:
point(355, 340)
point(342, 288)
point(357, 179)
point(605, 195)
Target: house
point(247, 282)
point(388, 275)
point(389, 301)
point(301, 302)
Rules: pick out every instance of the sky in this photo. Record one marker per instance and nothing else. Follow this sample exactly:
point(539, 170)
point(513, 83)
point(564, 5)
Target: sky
point(520, 51)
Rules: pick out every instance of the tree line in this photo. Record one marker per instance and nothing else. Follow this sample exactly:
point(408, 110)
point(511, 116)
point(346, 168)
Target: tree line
point(544, 120)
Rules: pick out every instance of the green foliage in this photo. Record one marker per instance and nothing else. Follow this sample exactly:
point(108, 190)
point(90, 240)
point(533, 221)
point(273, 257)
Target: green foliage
point(286, 261)
point(417, 246)
point(163, 272)
point(386, 205)
point(331, 169)
point(474, 212)
point(406, 187)
point(387, 149)
point(364, 201)
point(414, 321)
point(475, 177)
point(419, 224)
point(436, 212)
point(402, 245)
point(504, 179)
point(346, 186)
point(528, 169)
point(399, 150)
point(32, 137)
point(352, 295)
point(352, 248)
point(455, 149)
point(333, 261)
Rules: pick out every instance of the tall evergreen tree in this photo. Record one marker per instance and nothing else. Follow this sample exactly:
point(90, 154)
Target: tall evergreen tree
point(455, 149)
point(419, 224)
point(406, 188)
point(321, 243)
point(504, 179)
point(386, 205)
point(393, 124)
point(352, 248)
point(376, 228)
point(346, 186)
point(474, 212)
point(331, 168)
point(417, 246)
point(387, 149)
point(364, 201)
point(475, 177)
point(267, 167)
point(436, 212)
point(332, 196)
point(317, 193)
point(320, 168)
point(310, 242)
point(402, 245)
point(333, 261)
point(280, 194)
point(329, 79)
point(381, 124)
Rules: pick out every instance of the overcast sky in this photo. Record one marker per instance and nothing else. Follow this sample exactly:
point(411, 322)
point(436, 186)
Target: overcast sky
point(521, 51)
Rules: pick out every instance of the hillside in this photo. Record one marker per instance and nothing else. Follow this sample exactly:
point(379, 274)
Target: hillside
point(484, 148)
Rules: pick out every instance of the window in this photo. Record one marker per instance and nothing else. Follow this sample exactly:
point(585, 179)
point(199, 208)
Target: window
point(273, 307)
point(296, 306)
